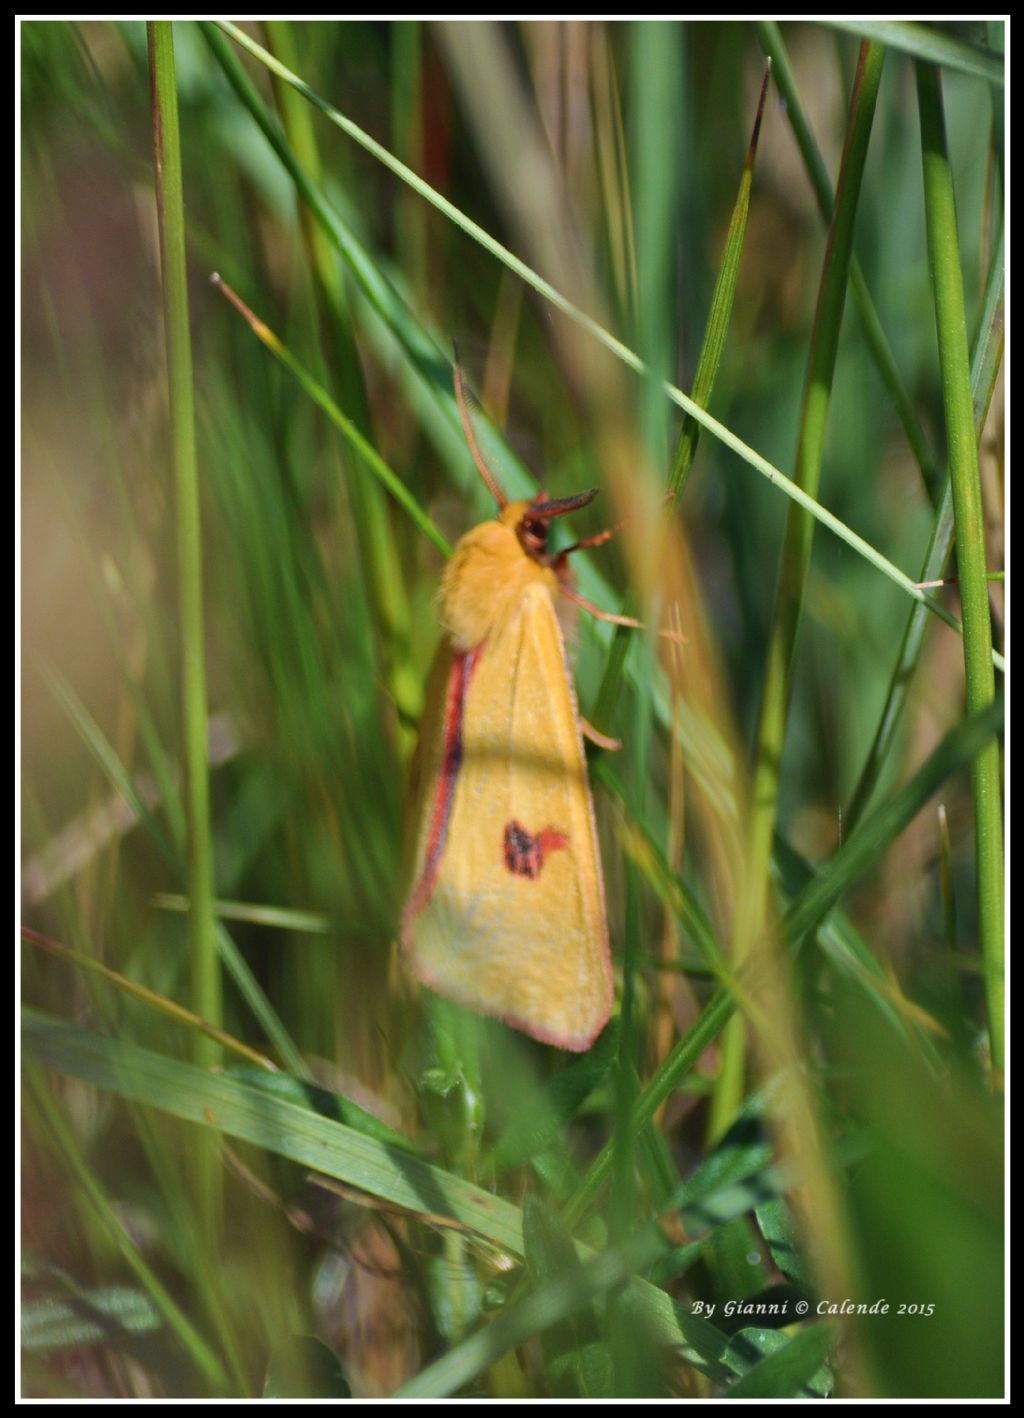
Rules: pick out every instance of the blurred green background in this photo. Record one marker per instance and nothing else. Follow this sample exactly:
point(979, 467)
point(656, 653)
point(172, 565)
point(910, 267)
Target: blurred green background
point(609, 157)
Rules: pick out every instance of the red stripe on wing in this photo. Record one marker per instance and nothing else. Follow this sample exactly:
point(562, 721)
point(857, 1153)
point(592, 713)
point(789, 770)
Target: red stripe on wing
point(463, 664)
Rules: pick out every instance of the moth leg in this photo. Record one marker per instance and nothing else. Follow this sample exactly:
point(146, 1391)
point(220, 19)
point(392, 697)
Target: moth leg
point(595, 736)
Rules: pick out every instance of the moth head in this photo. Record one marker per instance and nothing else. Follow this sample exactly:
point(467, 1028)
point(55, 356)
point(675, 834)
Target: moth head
point(532, 520)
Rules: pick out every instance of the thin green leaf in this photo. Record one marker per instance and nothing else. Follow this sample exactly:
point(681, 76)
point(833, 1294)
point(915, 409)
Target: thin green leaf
point(320, 1100)
point(795, 559)
point(774, 46)
point(947, 282)
point(345, 426)
point(304, 1136)
point(959, 748)
point(790, 1366)
point(926, 42)
point(206, 983)
point(121, 780)
point(985, 365)
point(717, 328)
point(542, 1119)
point(780, 1234)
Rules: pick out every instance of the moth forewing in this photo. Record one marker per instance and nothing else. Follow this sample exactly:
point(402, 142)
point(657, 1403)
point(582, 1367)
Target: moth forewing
point(506, 912)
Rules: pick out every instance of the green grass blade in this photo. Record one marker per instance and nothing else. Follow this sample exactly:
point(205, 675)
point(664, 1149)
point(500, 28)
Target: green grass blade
point(205, 965)
point(282, 918)
point(243, 978)
point(947, 281)
point(541, 1120)
point(294, 1132)
point(170, 202)
point(713, 344)
point(377, 542)
point(345, 426)
point(985, 367)
point(552, 1303)
point(165, 1006)
point(319, 1100)
point(961, 747)
point(795, 561)
point(774, 46)
point(238, 1109)
point(925, 42)
point(658, 1088)
point(790, 1365)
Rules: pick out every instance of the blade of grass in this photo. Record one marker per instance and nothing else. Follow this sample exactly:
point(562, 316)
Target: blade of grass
point(718, 430)
point(657, 164)
point(657, 161)
point(225, 1103)
point(239, 1109)
point(660, 1086)
point(947, 281)
point(243, 978)
point(282, 918)
point(376, 539)
point(166, 1006)
point(206, 983)
point(962, 746)
point(717, 327)
point(368, 454)
point(790, 1367)
point(794, 564)
point(927, 43)
point(774, 46)
point(986, 361)
point(550, 1303)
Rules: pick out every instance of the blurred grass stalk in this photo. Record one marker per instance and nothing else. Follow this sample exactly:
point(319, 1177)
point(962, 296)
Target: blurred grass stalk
point(774, 46)
point(951, 323)
point(776, 1020)
point(206, 982)
point(375, 536)
point(986, 362)
point(771, 729)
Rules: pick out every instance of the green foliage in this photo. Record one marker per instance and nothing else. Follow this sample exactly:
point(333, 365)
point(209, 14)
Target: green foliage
point(777, 1173)
point(303, 1367)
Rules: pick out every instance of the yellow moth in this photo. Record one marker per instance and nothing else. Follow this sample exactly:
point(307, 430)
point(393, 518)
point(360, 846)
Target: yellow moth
point(506, 913)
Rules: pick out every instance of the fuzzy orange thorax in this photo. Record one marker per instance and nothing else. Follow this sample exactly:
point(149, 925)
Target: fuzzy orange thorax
point(486, 577)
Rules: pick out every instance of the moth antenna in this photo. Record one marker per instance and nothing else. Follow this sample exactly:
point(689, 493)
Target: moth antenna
point(467, 426)
point(599, 538)
point(627, 620)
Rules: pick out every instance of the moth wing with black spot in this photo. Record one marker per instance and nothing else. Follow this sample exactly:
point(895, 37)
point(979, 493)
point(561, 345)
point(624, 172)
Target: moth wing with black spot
point(507, 911)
